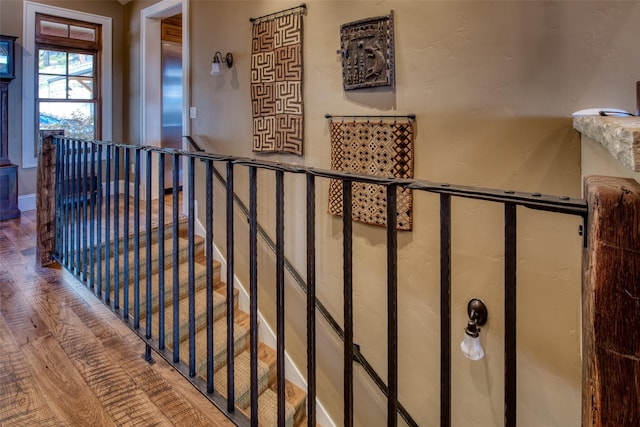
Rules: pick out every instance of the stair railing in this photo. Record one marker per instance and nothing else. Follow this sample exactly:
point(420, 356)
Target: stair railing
point(83, 193)
point(297, 277)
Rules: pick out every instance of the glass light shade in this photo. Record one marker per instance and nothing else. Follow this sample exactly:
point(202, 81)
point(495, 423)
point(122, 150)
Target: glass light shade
point(215, 68)
point(471, 347)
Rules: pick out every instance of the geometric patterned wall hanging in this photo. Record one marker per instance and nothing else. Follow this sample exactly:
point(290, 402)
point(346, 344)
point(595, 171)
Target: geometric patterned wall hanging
point(368, 53)
point(373, 148)
point(276, 84)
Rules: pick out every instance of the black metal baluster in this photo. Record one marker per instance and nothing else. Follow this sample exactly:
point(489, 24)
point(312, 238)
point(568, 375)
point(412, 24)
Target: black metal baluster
point(85, 216)
point(136, 239)
point(175, 263)
point(78, 223)
point(209, 262)
point(101, 258)
point(161, 265)
point(107, 231)
point(69, 205)
point(58, 189)
point(92, 210)
point(116, 228)
point(392, 307)
point(280, 298)
point(149, 237)
point(64, 200)
point(74, 194)
point(510, 315)
point(445, 310)
point(311, 300)
point(230, 295)
point(253, 291)
point(125, 243)
point(191, 254)
point(347, 226)
point(61, 148)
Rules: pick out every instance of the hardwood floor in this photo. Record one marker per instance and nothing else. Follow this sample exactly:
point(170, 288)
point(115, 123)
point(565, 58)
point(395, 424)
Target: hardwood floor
point(65, 358)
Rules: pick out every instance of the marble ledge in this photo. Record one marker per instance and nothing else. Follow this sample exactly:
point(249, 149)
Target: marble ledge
point(619, 135)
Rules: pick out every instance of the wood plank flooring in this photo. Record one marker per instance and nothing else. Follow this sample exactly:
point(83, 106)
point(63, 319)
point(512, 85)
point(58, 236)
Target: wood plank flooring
point(65, 358)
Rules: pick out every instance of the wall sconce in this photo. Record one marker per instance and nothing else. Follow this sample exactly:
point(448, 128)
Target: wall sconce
point(470, 345)
point(216, 67)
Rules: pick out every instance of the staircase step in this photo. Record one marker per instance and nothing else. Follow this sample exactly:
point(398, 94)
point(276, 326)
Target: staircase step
point(295, 405)
point(219, 312)
point(183, 256)
point(241, 341)
point(168, 235)
point(200, 282)
point(295, 396)
point(268, 410)
point(242, 379)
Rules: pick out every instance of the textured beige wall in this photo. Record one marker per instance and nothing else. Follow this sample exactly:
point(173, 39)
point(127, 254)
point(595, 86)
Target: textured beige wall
point(11, 23)
point(493, 85)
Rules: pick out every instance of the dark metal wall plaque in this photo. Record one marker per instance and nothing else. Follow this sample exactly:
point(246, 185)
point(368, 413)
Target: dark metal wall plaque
point(367, 53)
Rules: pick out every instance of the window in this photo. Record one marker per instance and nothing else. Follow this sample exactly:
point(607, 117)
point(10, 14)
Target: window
point(67, 75)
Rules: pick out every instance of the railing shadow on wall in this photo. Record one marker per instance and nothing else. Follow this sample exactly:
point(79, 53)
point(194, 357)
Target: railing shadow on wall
point(88, 242)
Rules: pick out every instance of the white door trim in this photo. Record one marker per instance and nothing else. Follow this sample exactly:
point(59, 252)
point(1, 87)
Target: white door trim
point(150, 78)
point(29, 61)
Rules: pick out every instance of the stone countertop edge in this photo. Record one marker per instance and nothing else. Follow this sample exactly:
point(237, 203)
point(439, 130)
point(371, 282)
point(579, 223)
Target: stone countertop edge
point(619, 135)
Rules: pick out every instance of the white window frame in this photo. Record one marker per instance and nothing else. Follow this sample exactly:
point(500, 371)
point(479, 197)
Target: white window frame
point(29, 55)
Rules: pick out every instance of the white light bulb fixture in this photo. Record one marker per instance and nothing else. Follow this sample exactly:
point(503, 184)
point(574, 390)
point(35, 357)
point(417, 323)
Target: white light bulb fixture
point(470, 345)
point(218, 59)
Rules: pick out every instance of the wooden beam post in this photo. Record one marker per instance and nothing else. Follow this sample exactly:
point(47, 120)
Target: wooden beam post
point(45, 198)
point(611, 304)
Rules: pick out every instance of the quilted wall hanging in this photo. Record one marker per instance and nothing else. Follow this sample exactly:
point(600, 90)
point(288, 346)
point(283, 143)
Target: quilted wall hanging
point(276, 82)
point(377, 147)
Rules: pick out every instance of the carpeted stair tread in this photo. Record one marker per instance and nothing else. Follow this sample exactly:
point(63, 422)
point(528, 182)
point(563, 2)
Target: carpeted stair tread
point(295, 405)
point(241, 341)
point(183, 255)
point(303, 422)
point(242, 379)
point(168, 235)
point(296, 397)
point(267, 358)
point(219, 312)
point(200, 276)
point(200, 282)
point(268, 410)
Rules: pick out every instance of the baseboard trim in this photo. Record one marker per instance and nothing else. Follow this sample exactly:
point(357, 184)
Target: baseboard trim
point(27, 202)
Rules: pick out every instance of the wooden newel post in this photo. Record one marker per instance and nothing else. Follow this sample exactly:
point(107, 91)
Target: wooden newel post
point(611, 304)
point(45, 198)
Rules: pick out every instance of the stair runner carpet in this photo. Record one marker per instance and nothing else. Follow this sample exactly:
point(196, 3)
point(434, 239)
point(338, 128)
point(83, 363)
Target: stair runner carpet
point(267, 401)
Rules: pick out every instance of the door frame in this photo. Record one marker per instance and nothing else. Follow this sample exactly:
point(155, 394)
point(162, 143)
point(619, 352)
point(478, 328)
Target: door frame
point(150, 80)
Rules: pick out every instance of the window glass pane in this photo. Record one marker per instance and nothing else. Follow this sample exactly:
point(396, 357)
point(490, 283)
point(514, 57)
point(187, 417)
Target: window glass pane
point(76, 118)
point(57, 29)
point(52, 62)
point(80, 88)
point(82, 33)
point(4, 57)
point(80, 64)
point(52, 87)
